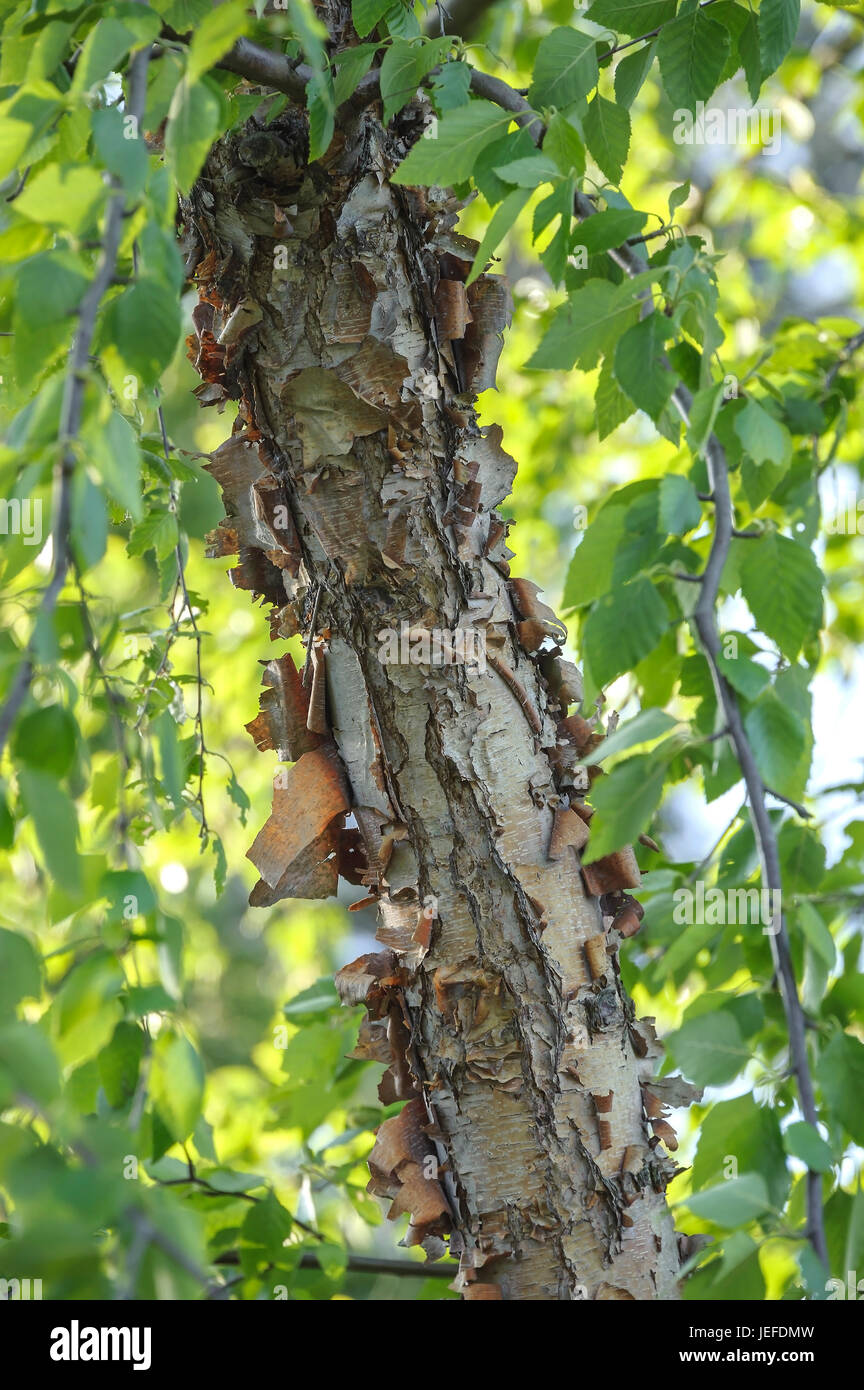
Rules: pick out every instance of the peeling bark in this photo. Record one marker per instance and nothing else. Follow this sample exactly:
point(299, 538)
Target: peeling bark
point(361, 497)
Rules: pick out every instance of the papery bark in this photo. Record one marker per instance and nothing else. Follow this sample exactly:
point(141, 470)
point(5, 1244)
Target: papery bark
point(361, 497)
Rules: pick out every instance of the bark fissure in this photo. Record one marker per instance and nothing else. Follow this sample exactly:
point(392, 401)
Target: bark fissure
point(447, 790)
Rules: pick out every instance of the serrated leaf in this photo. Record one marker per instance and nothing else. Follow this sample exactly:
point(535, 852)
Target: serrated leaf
point(563, 145)
point(778, 24)
point(631, 72)
point(764, 438)
point(196, 117)
point(586, 326)
point(367, 13)
point(680, 508)
point(622, 628)
point(624, 801)
point(450, 87)
point(144, 326)
point(632, 17)
point(404, 66)
point(459, 138)
point(607, 135)
point(778, 739)
point(782, 584)
point(214, 36)
point(610, 228)
point(502, 220)
point(639, 366)
point(565, 68)
point(750, 53)
point(612, 406)
point(692, 52)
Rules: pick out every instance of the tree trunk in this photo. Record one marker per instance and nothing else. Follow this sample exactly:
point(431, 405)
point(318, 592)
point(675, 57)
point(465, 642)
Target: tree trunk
point(361, 498)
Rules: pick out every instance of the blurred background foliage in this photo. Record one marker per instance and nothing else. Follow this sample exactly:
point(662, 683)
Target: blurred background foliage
point(174, 1085)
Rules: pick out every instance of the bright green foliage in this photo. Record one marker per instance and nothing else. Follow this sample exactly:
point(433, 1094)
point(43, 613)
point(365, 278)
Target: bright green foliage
point(177, 1061)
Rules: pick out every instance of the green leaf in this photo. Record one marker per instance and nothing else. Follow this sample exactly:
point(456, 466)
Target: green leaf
point(267, 1224)
point(703, 413)
point(60, 195)
point(28, 1066)
point(108, 43)
point(692, 52)
point(215, 36)
point(680, 508)
point(20, 970)
point(563, 145)
point(177, 1084)
point(750, 53)
point(450, 87)
point(748, 1134)
point(449, 153)
point(678, 196)
point(197, 115)
point(778, 739)
point(734, 1203)
point(645, 727)
point(502, 220)
point(45, 739)
point(632, 17)
point(782, 584)
point(367, 13)
point(806, 1143)
point(353, 65)
point(24, 118)
point(610, 228)
point(113, 450)
point(747, 677)
point(183, 15)
point(144, 326)
point(622, 628)
point(565, 68)
point(56, 825)
point(607, 135)
point(529, 173)
point(403, 69)
point(157, 531)
point(612, 406)
point(631, 72)
point(709, 1048)
point(625, 801)
point(119, 1063)
point(586, 326)
point(639, 366)
point(590, 572)
point(816, 932)
point(778, 24)
point(122, 150)
point(840, 1072)
point(313, 1004)
point(763, 437)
